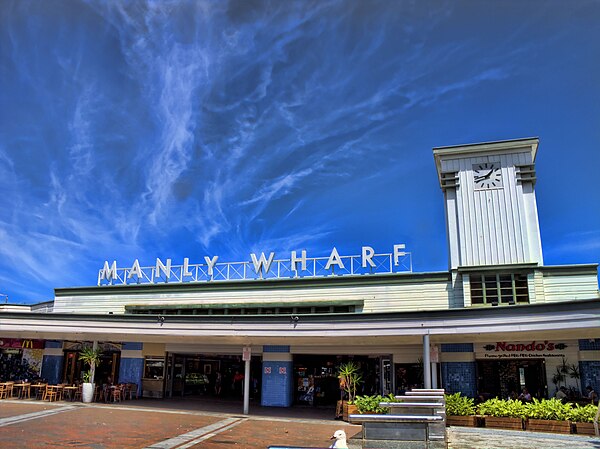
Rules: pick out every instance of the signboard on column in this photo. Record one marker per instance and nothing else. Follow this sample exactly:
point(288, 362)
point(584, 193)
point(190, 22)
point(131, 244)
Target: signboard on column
point(246, 354)
point(434, 354)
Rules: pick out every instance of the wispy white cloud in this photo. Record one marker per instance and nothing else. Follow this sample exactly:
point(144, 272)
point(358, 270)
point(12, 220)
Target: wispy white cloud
point(225, 125)
point(575, 243)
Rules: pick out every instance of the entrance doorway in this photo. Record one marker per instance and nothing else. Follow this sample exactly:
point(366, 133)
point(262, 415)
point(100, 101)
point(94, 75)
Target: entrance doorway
point(107, 370)
point(506, 378)
point(219, 376)
point(316, 378)
point(408, 376)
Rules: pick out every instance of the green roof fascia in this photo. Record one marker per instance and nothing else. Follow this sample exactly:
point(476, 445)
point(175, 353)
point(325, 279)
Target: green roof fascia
point(509, 268)
point(473, 312)
point(265, 284)
point(591, 268)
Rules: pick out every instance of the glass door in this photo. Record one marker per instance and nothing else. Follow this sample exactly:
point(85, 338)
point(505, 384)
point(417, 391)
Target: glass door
point(169, 371)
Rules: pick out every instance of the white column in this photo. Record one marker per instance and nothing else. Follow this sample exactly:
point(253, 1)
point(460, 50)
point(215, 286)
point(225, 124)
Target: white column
point(247, 382)
point(93, 365)
point(434, 376)
point(426, 363)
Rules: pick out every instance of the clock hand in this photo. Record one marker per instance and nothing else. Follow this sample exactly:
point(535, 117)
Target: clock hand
point(479, 178)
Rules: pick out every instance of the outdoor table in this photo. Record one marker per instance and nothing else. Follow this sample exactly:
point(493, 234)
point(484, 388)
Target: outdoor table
point(70, 391)
point(38, 389)
point(61, 391)
point(22, 388)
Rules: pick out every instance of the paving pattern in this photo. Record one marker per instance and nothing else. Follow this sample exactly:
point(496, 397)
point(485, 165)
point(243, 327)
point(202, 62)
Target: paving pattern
point(8, 408)
point(477, 438)
point(35, 424)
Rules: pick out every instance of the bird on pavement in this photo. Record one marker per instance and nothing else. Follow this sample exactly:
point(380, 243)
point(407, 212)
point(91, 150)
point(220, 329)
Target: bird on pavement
point(340, 440)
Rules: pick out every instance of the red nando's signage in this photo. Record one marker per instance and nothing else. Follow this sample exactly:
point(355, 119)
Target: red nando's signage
point(528, 349)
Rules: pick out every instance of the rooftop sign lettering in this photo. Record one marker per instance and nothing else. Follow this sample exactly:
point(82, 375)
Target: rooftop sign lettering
point(259, 267)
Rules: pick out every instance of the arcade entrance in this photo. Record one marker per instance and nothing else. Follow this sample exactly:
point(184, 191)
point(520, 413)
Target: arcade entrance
point(219, 376)
point(316, 380)
point(107, 371)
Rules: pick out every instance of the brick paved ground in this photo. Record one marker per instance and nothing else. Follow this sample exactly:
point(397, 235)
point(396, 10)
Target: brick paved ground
point(261, 433)
point(135, 424)
point(14, 409)
point(468, 438)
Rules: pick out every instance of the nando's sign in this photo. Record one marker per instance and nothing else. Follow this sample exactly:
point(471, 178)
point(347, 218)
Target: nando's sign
point(529, 349)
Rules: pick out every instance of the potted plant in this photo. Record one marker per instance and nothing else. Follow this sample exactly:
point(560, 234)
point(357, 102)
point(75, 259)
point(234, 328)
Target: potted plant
point(91, 357)
point(369, 405)
point(460, 410)
point(548, 415)
point(575, 374)
point(583, 419)
point(503, 414)
point(349, 377)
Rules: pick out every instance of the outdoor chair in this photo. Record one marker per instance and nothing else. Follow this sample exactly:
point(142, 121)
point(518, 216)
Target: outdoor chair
point(116, 393)
point(40, 392)
point(132, 391)
point(51, 393)
point(98, 394)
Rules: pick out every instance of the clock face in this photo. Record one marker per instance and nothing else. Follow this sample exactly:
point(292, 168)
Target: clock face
point(487, 175)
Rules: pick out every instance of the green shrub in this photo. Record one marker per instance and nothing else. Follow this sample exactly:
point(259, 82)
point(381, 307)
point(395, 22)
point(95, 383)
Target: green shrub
point(583, 414)
point(553, 409)
point(370, 404)
point(458, 405)
point(509, 408)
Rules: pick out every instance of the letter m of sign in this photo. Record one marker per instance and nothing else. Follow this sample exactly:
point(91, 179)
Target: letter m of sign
point(108, 273)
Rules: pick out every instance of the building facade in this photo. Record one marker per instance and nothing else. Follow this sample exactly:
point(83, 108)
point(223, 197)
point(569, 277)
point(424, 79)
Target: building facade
point(497, 321)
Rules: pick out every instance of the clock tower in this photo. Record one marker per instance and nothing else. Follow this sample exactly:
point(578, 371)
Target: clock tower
point(491, 212)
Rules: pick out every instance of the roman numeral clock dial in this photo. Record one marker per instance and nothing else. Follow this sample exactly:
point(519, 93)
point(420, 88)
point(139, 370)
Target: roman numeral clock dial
point(487, 175)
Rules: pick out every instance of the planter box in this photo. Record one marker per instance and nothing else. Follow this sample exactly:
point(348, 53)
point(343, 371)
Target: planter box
point(348, 410)
point(503, 423)
point(545, 425)
point(584, 428)
point(465, 421)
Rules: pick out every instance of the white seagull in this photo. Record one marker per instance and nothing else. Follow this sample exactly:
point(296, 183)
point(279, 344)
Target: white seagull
point(340, 440)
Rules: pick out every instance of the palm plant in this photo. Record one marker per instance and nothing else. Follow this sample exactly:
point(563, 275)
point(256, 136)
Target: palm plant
point(90, 357)
point(558, 377)
point(350, 377)
point(575, 374)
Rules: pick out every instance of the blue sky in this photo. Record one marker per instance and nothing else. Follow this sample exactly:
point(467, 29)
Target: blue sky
point(183, 129)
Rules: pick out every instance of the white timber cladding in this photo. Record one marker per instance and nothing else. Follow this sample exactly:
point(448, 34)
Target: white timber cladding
point(467, 289)
point(531, 289)
point(492, 226)
point(457, 296)
point(417, 295)
point(563, 286)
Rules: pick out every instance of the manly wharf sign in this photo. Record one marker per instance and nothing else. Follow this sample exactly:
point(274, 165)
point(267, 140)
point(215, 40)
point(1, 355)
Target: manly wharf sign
point(259, 267)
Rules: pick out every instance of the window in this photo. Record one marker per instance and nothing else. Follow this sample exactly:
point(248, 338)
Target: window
point(256, 310)
point(154, 367)
point(499, 289)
